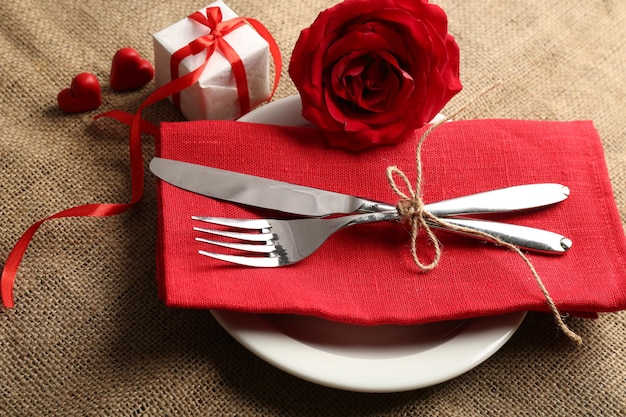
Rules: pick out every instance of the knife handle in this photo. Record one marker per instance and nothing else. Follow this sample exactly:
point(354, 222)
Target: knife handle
point(529, 238)
point(524, 237)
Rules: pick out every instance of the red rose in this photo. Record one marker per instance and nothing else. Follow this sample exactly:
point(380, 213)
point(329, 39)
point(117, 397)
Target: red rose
point(370, 71)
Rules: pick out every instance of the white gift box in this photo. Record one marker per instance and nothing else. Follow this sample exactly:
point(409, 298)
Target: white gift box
point(214, 96)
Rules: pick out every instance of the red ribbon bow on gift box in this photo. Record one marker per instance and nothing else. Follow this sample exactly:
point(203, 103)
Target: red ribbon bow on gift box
point(211, 42)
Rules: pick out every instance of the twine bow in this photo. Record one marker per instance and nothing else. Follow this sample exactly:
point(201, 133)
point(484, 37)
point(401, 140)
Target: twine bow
point(412, 210)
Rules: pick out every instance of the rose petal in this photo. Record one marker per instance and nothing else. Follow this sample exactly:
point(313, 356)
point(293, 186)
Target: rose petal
point(343, 123)
point(355, 41)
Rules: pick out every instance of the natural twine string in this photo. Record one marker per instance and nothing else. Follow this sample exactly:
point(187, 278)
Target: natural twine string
point(412, 209)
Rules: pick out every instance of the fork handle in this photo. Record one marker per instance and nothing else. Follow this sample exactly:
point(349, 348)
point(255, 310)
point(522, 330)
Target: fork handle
point(509, 199)
point(524, 237)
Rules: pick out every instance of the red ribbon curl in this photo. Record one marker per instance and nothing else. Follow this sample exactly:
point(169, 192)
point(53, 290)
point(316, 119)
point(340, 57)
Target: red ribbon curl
point(210, 43)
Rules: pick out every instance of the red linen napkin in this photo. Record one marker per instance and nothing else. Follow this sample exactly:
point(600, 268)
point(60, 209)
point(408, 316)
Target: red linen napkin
point(365, 274)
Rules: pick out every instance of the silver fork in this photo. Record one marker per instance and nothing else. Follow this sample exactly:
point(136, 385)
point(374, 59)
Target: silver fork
point(273, 243)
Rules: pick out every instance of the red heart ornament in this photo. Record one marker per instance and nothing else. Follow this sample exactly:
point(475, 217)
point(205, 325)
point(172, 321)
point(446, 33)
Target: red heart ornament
point(83, 94)
point(129, 70)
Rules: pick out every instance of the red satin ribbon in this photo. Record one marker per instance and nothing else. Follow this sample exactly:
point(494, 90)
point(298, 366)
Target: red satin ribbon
point(211, 42)
point(214, 41)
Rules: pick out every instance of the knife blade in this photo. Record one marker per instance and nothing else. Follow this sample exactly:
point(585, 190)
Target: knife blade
point(307, 201)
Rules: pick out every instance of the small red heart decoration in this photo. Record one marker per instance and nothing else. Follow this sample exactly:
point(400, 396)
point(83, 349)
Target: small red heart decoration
point(83, 94)
point(129, 70)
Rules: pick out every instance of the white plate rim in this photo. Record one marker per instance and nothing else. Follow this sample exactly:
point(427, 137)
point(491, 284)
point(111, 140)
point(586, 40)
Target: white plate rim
point(476, 341)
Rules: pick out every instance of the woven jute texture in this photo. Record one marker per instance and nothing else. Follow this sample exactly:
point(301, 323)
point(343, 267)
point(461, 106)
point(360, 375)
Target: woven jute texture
point(89, 336)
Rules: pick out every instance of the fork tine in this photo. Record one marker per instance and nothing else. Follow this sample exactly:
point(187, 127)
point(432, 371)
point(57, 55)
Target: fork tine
point(256, 261)
point(267, 248)
point(250, 237)
point(239, 223)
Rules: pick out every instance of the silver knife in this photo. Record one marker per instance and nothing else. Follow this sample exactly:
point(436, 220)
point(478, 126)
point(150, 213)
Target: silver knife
point(307, 201)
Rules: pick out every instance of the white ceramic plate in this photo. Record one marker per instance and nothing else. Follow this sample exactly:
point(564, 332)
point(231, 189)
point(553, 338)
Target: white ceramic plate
point(365, 359)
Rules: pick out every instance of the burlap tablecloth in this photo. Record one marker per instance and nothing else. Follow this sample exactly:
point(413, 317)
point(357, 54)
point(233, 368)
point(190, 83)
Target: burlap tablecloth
point(89, 335)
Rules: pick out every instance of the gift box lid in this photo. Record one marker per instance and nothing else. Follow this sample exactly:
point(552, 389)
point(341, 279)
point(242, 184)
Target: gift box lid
point(248, 42)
